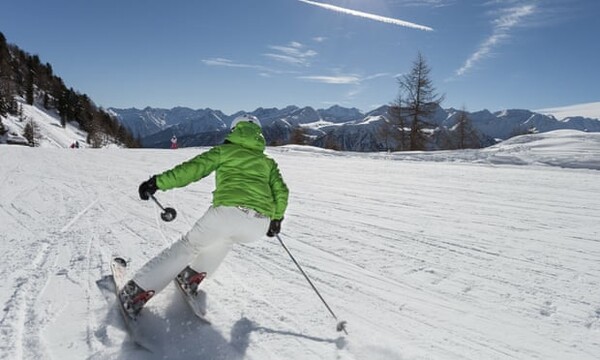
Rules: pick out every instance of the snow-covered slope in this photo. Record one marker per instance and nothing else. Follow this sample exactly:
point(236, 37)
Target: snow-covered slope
point(51, 133)
point(562, 148)
point(463, 257)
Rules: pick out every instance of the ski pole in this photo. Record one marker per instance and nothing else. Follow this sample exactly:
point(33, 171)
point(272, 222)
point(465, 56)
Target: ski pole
point(341, 325)
point(168, 214)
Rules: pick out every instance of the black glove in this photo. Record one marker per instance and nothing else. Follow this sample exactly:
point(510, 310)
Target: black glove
point(274, 227)
point(148, 188)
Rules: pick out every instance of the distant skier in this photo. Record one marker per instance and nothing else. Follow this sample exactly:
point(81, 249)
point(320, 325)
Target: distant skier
point(174, 142)
point(249, 200)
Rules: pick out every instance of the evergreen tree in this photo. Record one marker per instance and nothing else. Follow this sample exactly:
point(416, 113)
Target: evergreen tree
point(20, 114)
point(47, 101)
point(5, 77)
point(418, 101)
point(298, 136)
point(2, 128)
point(331, 143)
point(29, 88)
point(395, 129)
point(4, 101)
point(31, 132)
point(466, 135)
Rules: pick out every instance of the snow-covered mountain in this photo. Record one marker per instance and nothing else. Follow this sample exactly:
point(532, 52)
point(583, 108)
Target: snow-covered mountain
point(507, 123)
point(329, 128)
point(339, 114)
point(149, 121)
point(342, 128)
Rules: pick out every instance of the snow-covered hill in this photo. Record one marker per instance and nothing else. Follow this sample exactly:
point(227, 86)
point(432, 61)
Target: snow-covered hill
point(442, 255)
point(51, 133)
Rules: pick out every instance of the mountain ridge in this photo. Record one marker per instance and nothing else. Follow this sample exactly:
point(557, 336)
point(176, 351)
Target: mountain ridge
point(331, 127)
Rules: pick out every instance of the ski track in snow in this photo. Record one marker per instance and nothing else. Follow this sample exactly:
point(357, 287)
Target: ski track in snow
point(424, 259)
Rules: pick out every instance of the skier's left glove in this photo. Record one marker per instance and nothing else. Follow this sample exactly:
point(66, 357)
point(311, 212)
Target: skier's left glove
point(274, 227)
point(148, 188)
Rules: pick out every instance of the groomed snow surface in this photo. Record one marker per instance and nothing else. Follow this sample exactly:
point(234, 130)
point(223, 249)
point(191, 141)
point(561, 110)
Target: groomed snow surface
point(487, 254)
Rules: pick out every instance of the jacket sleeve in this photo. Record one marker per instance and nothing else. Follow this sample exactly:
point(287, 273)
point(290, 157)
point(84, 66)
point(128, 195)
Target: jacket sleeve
point(280, 192)
point(189, 171)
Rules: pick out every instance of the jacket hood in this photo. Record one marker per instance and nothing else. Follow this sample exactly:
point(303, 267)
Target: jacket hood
point(248, 135)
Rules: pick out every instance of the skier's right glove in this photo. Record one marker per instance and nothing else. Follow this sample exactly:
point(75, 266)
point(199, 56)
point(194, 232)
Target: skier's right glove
point(148, 188)
point(274, 227)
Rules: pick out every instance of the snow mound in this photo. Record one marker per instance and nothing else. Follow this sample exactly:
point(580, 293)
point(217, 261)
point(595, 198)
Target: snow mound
point(563, 148)
point(560, 148)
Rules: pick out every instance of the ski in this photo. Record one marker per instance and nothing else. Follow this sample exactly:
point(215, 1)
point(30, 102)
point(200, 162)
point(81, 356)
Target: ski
point(194, 301)
point(118, 267)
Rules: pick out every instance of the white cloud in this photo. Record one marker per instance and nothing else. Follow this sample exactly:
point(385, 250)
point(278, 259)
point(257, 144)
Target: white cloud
point(354, 85)
point(347, 79)
point(375, 76)
point(338, 79)
point(229, 63)
point(502, 25)
point(264, 71)
point(294, 53)
point(365, 15)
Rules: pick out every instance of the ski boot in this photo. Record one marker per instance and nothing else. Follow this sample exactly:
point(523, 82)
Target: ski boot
point(133, 298)
point(189, 280)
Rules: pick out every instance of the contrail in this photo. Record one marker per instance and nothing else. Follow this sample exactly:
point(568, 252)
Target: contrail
point(502, 27)
point(368, 16)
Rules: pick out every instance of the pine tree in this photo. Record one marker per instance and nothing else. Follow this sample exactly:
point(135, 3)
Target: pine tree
point(395, 128)
point(2, 128)
point(298, 136)
point(29, 81)
point(4, 102)
point(419, 100)
point(31, 132)
point(466, 135)
point(5, 77)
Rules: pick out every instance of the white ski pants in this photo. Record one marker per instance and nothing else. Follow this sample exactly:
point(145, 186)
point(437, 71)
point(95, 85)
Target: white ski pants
point(205, 246)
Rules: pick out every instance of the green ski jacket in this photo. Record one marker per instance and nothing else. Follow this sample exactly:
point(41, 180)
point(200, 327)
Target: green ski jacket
point(244, 176)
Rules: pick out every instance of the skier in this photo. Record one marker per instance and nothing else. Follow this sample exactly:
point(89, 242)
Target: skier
point(174, 142)
point(249, 200)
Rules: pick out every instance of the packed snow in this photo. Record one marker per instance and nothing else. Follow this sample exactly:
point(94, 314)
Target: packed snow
point(474, 254)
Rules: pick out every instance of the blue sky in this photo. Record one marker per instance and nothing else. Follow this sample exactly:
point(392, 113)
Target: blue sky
point(240, 55)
